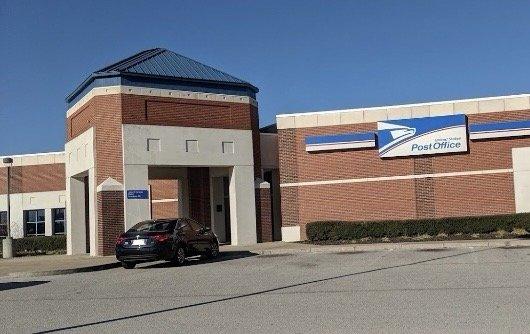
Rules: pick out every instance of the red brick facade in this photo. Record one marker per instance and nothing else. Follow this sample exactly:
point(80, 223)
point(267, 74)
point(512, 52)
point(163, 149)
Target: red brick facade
point(397, 199)
point(264, 214)
point(110, 220)
point(164, 196)
point(33, 178)
point(199, 194)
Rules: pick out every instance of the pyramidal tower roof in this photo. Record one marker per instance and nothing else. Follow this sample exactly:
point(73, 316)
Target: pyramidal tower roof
point(166, 63)
point(163, 65)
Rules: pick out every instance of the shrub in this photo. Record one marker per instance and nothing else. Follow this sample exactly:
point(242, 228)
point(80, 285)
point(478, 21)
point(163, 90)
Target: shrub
point(39, 245)
point(344, 230)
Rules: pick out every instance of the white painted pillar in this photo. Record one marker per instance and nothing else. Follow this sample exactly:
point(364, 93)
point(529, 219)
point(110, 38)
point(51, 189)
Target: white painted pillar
point(183, 197)
point(92, 212)
point(521, 178)
point(242, 206)
point(48, 222)
point(75, 216)
point(136, 177)
point(217, 199)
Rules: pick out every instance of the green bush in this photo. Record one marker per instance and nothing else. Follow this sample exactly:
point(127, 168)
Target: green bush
point(39, 245)
point(344, 230)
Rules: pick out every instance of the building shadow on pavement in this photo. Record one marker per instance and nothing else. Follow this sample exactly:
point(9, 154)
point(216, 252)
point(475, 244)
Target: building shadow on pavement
point(196, 260)
point(18, 285)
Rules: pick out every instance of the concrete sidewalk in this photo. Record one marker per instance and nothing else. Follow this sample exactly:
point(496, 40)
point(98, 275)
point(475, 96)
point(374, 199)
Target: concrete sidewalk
point(270, 248)
point(46, 265)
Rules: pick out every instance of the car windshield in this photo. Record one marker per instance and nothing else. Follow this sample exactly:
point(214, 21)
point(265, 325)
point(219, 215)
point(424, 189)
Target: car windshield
point(153, 226)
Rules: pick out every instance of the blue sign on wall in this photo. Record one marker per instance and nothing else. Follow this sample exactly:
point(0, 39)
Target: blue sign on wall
point(419, 136)
point(137, 194)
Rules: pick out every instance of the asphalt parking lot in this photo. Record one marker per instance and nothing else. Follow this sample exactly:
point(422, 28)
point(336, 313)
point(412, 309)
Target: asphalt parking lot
point(458, 290)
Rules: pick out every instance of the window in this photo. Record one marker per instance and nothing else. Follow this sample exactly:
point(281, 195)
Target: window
point(184, 226)
point(34, 222)
point(154, 226)
point(3, 223)
point(194, 225)
point(59, 219)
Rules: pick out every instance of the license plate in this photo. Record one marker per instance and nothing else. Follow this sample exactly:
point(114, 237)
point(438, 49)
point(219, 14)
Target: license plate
point(138, 242)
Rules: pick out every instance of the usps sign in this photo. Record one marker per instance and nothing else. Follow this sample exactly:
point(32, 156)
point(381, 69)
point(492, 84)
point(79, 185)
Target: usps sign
point(419, 136)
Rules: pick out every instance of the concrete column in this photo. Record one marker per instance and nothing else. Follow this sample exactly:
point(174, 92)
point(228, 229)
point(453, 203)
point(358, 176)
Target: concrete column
point(184, 200)
point(242, 206)
point(136, 177)
point(521, 178)
point(75, 216)
point(92, 212)
point(17, 214)
point(48, 222)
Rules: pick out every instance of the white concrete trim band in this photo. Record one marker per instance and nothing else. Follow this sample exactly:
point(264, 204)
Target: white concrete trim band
point(340, 146)
point(499, 134)
point(179, 94)
point(405, 111)
point(394, 178)
point(165, 200)
point(34, 159)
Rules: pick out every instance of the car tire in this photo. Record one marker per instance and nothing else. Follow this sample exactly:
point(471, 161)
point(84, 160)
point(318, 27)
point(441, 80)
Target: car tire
point(179, 257)
point(128, 265)
point(213, 251)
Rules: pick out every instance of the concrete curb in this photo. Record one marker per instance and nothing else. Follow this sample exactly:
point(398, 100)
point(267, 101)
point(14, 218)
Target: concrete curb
point(65, 271)
point(398, 246)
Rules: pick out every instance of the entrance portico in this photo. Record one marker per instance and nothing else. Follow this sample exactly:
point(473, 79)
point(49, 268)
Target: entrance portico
point(141, 145)
point(181, 153)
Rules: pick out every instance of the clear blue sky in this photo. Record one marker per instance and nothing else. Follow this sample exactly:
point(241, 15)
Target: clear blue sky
point(303, 55)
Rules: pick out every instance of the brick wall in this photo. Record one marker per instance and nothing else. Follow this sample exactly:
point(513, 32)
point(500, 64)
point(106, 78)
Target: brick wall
point(34, 178)
point(163, 210)
point(166, 189)
point(104, 114)
point(110, 220)
point(199, 194)
point(403, 199)
point(80, 121)
point(184, 112)
point(264, 214)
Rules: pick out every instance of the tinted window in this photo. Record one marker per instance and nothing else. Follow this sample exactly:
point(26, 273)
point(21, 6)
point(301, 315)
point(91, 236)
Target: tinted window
point(58, 216)
point(194, 225)
point(184, 226)
point(34, 222)
point(151, 226)
point(3, 223)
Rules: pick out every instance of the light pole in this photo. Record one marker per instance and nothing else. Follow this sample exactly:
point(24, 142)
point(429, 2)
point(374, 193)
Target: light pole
point(7, 243)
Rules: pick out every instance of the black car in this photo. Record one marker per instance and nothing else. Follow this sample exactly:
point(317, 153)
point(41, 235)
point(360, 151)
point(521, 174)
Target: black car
point(165, 239)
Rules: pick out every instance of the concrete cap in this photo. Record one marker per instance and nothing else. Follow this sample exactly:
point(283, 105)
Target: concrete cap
point(110, 185)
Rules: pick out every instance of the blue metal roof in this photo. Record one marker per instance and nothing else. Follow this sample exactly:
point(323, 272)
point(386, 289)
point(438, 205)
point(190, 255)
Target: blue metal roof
point(164, 65)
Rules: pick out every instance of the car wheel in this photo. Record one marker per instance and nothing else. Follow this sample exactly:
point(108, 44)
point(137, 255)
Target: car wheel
point(128, 265)
point(213, 251)
point(179, 258)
